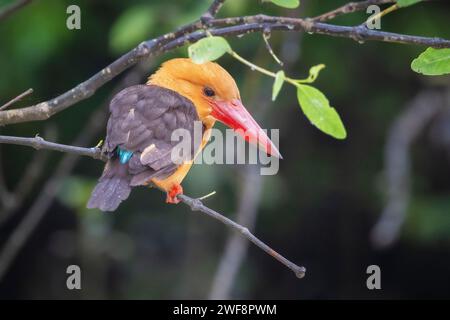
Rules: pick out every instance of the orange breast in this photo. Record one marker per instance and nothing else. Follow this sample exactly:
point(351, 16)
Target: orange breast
point(177, 177)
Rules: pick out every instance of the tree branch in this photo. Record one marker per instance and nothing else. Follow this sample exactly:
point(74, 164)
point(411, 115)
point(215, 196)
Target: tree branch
point(194, 32)
point(213, 9)
point(350, 8)
point(195, 204)
point(18, 98)
point(358, 33)
point(40, 143)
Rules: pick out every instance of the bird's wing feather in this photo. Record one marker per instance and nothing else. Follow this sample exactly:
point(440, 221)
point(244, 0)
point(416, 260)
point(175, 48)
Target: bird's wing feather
point(142, 120)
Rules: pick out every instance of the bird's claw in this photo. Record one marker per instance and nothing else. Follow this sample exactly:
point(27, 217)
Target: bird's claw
point(173, 193)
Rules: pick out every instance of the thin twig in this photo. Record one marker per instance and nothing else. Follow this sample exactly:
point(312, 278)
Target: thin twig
point(381, 14)
point(213, 9)
point(206, 196)
point(13, 7)
point(197, 205)
point(19, 97)
point(40, 143)
point(266, 37)
point(258, 23)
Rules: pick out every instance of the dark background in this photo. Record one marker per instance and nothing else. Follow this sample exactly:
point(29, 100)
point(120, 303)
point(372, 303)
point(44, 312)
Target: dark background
point(318, 211)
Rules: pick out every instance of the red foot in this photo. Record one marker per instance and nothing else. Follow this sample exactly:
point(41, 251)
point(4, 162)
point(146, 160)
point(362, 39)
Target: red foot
point(172, 194)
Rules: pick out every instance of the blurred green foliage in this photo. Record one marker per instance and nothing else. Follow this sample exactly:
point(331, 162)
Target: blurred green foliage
point(131, 28)
point(429, 219)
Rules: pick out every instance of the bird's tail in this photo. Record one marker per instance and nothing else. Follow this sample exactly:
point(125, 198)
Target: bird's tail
point(112, 188)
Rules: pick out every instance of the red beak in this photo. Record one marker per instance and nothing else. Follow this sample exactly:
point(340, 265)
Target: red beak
point(234, 115)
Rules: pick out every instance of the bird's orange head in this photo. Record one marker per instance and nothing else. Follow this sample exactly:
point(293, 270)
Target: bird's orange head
point(215, 95)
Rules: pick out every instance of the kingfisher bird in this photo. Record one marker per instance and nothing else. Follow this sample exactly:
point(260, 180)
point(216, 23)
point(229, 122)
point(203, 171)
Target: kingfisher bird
point(142, 119)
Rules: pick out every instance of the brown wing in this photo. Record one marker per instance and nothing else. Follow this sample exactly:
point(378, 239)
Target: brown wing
point(142, 120)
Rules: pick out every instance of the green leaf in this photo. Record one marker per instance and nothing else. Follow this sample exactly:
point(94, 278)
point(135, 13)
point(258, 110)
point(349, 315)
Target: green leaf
point(318, 110)
point(131, 28)
point(290, 4)
point(208, 49)
point(313, 74)
point(432, 62)
point(406, 3)
point(277, 84)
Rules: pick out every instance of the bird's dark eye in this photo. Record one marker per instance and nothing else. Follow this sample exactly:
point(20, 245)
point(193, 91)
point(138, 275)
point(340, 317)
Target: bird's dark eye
point(209, 92)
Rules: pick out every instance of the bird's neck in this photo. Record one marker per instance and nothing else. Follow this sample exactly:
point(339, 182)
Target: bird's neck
point(165, 79)
point(162, 79)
